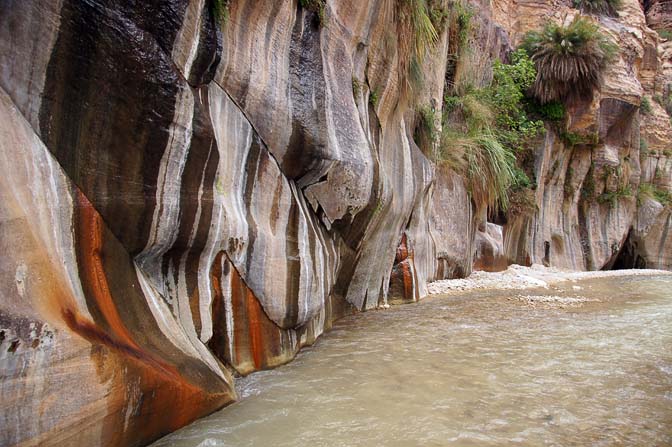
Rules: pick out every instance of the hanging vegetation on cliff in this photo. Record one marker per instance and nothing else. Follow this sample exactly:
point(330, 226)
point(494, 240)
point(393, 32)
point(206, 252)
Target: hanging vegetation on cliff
point(416, 36)
point(487, 134)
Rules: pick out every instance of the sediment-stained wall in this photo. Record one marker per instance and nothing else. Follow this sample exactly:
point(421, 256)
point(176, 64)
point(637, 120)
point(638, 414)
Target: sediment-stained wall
point(183, 201)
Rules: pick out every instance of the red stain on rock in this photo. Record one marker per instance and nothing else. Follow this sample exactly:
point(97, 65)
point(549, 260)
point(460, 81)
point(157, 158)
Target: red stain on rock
point(402, 279)
point(92, 271)
point(253, 330)
point(161, 387)
point(254, 342)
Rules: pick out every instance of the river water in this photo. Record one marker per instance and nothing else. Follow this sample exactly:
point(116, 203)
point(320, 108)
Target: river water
point(481, 369)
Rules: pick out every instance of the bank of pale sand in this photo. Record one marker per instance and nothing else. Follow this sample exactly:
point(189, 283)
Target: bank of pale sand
point(518, 277)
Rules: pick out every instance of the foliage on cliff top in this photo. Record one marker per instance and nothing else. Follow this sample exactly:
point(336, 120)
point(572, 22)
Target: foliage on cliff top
point(501, 105)
point(569, 59)
point(603, 7)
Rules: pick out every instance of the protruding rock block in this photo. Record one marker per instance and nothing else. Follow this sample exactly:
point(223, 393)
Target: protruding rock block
point(490, 255)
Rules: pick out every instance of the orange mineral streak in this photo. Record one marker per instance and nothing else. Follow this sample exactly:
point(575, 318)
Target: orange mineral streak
point(91, 242)
point(255, 314)
point(247, 306)
point(407, 278)
point(93, 272)
point(404, 259)
point(402, 250)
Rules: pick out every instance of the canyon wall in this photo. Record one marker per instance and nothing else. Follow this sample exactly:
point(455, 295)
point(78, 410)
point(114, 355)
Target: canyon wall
point(589, 215)
point(186, 200)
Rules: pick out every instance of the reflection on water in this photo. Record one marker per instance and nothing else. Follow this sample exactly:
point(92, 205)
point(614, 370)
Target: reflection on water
point(478, 370)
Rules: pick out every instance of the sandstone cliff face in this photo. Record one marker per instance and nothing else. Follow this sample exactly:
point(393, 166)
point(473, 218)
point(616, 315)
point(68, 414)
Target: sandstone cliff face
point(183, 201)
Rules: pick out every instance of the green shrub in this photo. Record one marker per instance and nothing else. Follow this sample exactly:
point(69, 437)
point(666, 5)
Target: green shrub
point(373, 98)
point(220, 10)
point(505, 95)
point(665, 34)
point(426, 131)
point(569, 60)
point(520, 179)
point(484, 127)
point(612, 197)
point(645, 106)
point(605, 7)
point(651, 191)
point(319, 7)
point(551, 111)
point(489, 125)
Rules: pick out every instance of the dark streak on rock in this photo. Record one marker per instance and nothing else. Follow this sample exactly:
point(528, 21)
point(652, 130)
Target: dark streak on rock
point(108, 145)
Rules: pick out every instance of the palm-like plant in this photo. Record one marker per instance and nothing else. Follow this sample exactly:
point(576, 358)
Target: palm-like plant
point(569, 59)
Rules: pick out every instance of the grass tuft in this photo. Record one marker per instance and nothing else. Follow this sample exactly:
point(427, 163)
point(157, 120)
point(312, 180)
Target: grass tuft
point(487, 165)
point(600, 7)
point(416, 36)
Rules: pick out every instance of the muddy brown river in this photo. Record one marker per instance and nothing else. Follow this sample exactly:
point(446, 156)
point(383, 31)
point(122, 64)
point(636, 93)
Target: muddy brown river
point(482, 369)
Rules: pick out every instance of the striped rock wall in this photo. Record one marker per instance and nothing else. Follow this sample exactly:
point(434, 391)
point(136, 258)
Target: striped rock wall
point(183, 202)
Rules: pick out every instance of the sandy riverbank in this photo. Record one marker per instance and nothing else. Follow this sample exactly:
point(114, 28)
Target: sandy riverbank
point(518, 277)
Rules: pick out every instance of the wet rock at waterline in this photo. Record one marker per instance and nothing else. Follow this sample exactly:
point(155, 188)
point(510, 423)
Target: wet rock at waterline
point(186, 199)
